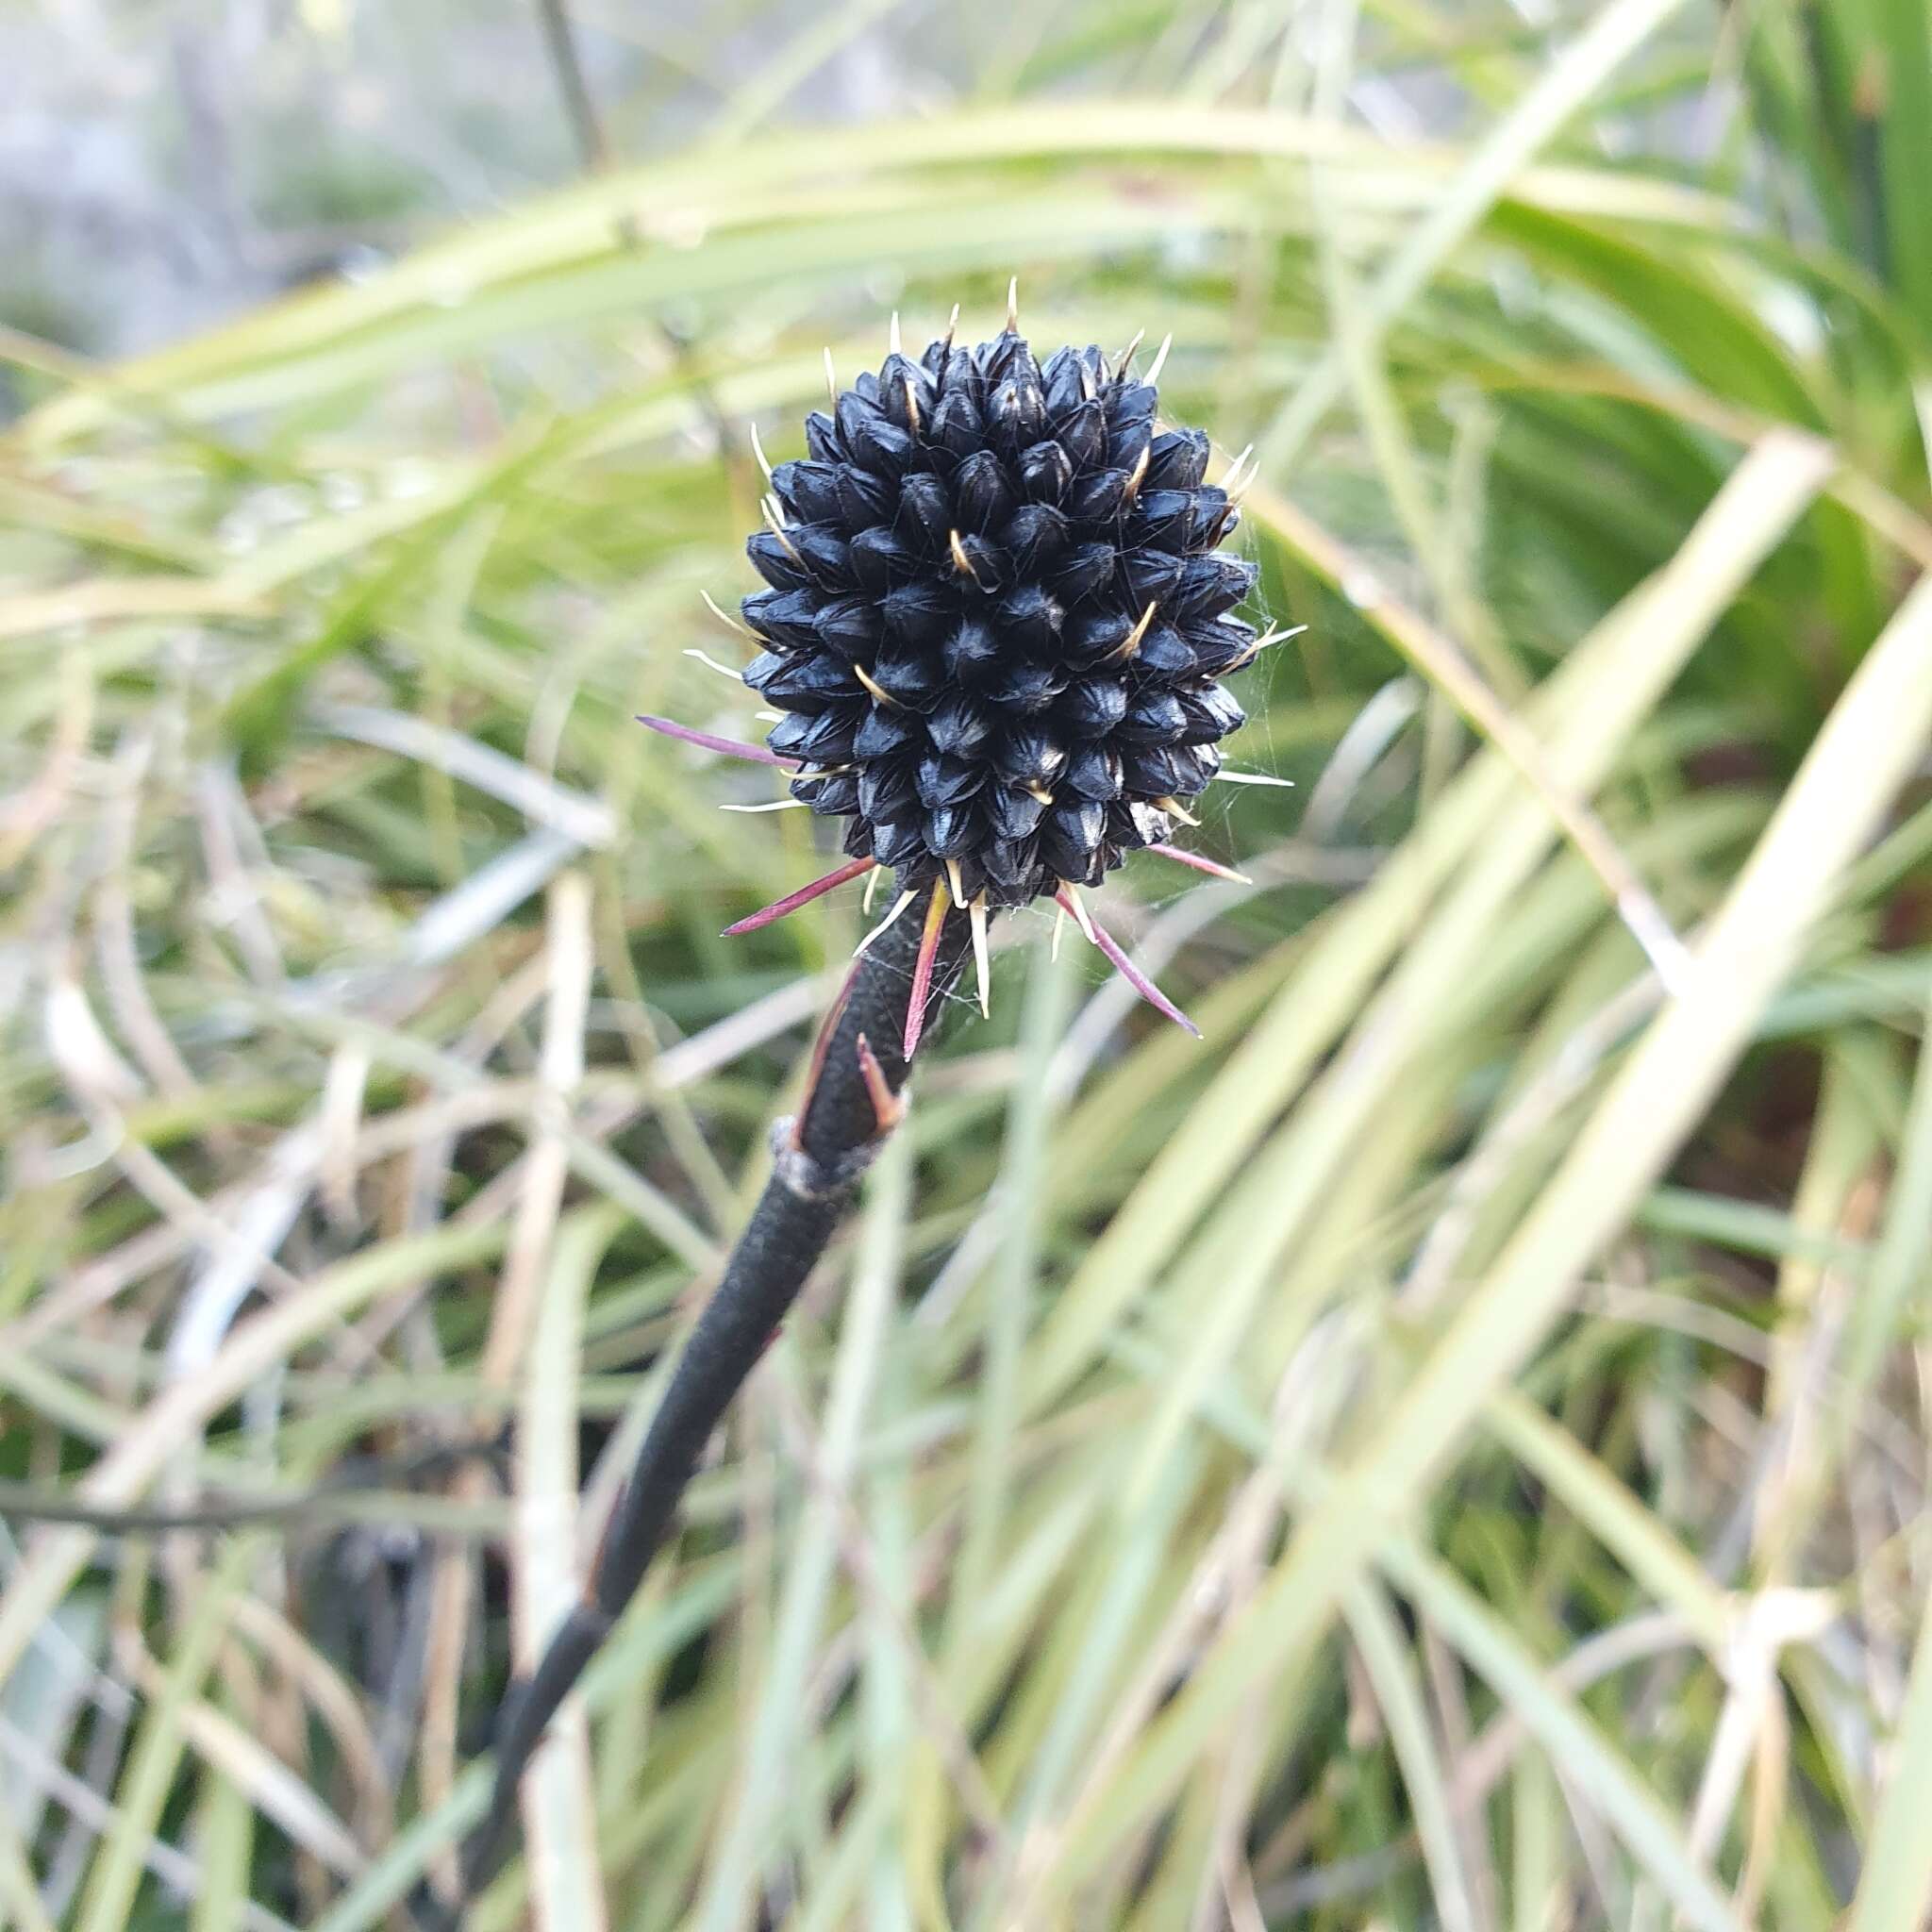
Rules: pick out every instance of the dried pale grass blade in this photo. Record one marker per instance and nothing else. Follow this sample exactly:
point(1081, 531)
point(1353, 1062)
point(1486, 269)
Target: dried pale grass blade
point(538, 796)
point(20, 1896)
point(1896, 1886)
point(146, 1776)
point(1389, 1665)
point(476, 907)
point(273, 1787)
point(1613, 34)
point(1873, 737)
point(1481, 842)
point(112, 600)
point(558, 1800)
point(1445, 665)
point(253, 1347)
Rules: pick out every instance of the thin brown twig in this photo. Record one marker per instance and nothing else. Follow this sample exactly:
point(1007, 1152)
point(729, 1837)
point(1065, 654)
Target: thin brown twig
point(597, 157)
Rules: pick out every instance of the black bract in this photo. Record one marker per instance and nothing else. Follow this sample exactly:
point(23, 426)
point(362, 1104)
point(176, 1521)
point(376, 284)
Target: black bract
point(996, 615)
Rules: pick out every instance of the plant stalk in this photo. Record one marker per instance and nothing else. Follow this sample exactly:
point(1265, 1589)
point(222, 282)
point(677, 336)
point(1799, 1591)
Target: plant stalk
point(851, 1104)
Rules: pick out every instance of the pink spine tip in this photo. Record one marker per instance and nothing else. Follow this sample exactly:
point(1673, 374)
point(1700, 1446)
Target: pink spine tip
point(1130, 973)
point(887, 1107)
point(804, 896)
point(1213, 867)
point(921, 970)
point(757, 754)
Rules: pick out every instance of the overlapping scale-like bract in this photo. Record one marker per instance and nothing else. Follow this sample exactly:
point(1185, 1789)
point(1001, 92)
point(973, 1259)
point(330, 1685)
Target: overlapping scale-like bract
point(996, 615)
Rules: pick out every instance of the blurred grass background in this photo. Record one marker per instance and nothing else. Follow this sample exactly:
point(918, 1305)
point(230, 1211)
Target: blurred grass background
point(1451, 1451)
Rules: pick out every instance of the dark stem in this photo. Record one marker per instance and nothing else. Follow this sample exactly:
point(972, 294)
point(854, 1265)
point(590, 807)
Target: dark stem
point(559, 37)
point(848, 1110)
point(593, 148)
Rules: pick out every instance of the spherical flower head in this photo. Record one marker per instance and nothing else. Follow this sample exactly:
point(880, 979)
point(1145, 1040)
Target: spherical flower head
point(997, 613)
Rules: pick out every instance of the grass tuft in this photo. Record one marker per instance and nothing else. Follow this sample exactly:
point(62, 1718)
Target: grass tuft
point(1448, 1450)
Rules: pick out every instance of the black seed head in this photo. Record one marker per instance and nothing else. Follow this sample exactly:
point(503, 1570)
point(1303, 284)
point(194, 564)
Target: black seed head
point(995, 616)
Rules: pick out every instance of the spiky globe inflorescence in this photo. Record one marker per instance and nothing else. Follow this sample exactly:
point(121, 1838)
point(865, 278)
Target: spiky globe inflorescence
point(996, 617)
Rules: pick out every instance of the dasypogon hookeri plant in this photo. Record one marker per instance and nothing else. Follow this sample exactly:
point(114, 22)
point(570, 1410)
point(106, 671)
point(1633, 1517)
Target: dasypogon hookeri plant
point(997, 618)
